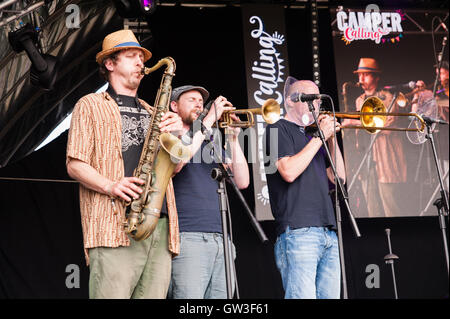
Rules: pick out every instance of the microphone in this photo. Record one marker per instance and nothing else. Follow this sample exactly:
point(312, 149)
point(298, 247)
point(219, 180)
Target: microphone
point(198, 123)
point(205, 111)
point(430, 120)
point(296, 97)
point(407, 86)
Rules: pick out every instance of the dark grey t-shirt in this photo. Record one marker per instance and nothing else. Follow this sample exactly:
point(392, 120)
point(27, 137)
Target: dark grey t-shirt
point(305, 202)
point(196, 194)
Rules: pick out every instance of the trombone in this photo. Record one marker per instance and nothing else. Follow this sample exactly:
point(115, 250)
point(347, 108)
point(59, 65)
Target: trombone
point(270, 111)
point(373, 117)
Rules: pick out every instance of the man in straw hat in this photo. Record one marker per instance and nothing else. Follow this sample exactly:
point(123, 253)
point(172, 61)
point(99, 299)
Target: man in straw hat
point(386, 166)
point(104, 145)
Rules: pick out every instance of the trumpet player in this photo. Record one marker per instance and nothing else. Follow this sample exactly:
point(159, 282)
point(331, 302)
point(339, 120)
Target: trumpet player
point(105, 140)
point(306, 249)
point(199, 270)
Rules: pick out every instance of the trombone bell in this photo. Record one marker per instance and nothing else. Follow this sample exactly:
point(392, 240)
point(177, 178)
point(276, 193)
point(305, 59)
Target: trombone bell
point(369, 118)
point(373, 117)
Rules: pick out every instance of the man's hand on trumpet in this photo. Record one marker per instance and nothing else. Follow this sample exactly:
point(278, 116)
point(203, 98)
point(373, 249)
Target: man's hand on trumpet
point(220, 105)
point(233, 131)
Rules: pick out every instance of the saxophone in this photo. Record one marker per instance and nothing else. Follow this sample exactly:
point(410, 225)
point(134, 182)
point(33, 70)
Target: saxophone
point(160, 154)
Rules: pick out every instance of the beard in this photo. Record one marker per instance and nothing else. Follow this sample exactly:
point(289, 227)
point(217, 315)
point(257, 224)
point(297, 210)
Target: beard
point(188, 117)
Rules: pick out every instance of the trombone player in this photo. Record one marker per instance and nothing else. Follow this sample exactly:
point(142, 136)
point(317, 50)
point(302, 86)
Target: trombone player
point(386, 164)
point(306, 250)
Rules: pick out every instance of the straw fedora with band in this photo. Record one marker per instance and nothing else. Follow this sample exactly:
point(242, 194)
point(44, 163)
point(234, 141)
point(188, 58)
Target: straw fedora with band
point(120, 40)
point(367, 65)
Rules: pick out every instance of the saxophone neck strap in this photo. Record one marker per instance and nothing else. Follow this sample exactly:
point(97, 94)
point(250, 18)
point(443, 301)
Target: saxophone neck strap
point(110, 90)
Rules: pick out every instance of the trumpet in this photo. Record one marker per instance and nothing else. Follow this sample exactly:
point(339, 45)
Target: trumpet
point(405, 98)
point(270, 111)
point(373, 117)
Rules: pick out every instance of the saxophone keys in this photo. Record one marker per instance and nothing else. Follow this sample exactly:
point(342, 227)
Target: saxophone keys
point(136, 205)
point(146, 168)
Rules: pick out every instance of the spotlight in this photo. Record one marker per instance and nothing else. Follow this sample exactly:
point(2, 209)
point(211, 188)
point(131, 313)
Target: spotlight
point(135, 8)
point(148, 6)
point(44, 68)
point(126, 9)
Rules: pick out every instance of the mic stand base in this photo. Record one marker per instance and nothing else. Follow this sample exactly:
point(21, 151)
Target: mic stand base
point(389, 259)
point(442, 224)
point(441, 203)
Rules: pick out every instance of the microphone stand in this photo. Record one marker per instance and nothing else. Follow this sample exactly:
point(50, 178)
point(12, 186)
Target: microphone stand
point(436, 80)
point(221, 175)
point(441, 203)
point(434, 194)
point(340, 189)
point(389, 259)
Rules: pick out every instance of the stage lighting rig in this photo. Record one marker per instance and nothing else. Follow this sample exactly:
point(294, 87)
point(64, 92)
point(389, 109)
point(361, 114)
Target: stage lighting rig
point(44, 68)
point(135, 8)
point(148, 6)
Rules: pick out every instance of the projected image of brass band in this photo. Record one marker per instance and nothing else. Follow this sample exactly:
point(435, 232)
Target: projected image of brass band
point(385, 167)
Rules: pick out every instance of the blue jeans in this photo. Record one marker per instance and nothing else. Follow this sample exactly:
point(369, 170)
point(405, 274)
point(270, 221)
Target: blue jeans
point(198, 272)
point(308, 260)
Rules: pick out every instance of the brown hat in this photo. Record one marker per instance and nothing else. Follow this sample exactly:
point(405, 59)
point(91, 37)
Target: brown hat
point(120, 40)
point(367, 65)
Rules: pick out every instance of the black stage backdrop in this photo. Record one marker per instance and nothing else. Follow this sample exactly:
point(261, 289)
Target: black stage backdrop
point(41, 251)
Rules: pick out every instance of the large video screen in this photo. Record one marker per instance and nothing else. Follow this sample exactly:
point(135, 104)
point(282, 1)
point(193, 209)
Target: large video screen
point(387, 62)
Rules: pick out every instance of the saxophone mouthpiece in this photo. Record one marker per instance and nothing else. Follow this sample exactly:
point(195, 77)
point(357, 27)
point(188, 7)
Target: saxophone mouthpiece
point(145, 70)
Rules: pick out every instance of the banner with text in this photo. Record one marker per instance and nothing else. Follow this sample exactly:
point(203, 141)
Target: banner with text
point(266, 64)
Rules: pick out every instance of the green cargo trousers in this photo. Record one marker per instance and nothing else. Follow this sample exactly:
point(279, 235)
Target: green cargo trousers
point(141, 270)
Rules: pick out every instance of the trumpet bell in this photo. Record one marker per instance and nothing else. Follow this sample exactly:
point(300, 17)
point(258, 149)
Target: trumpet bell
point(270, 111)
point(401, 100)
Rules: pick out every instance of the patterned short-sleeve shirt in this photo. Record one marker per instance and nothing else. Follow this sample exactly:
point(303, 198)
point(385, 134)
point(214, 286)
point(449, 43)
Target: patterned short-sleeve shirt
point(95, 138)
